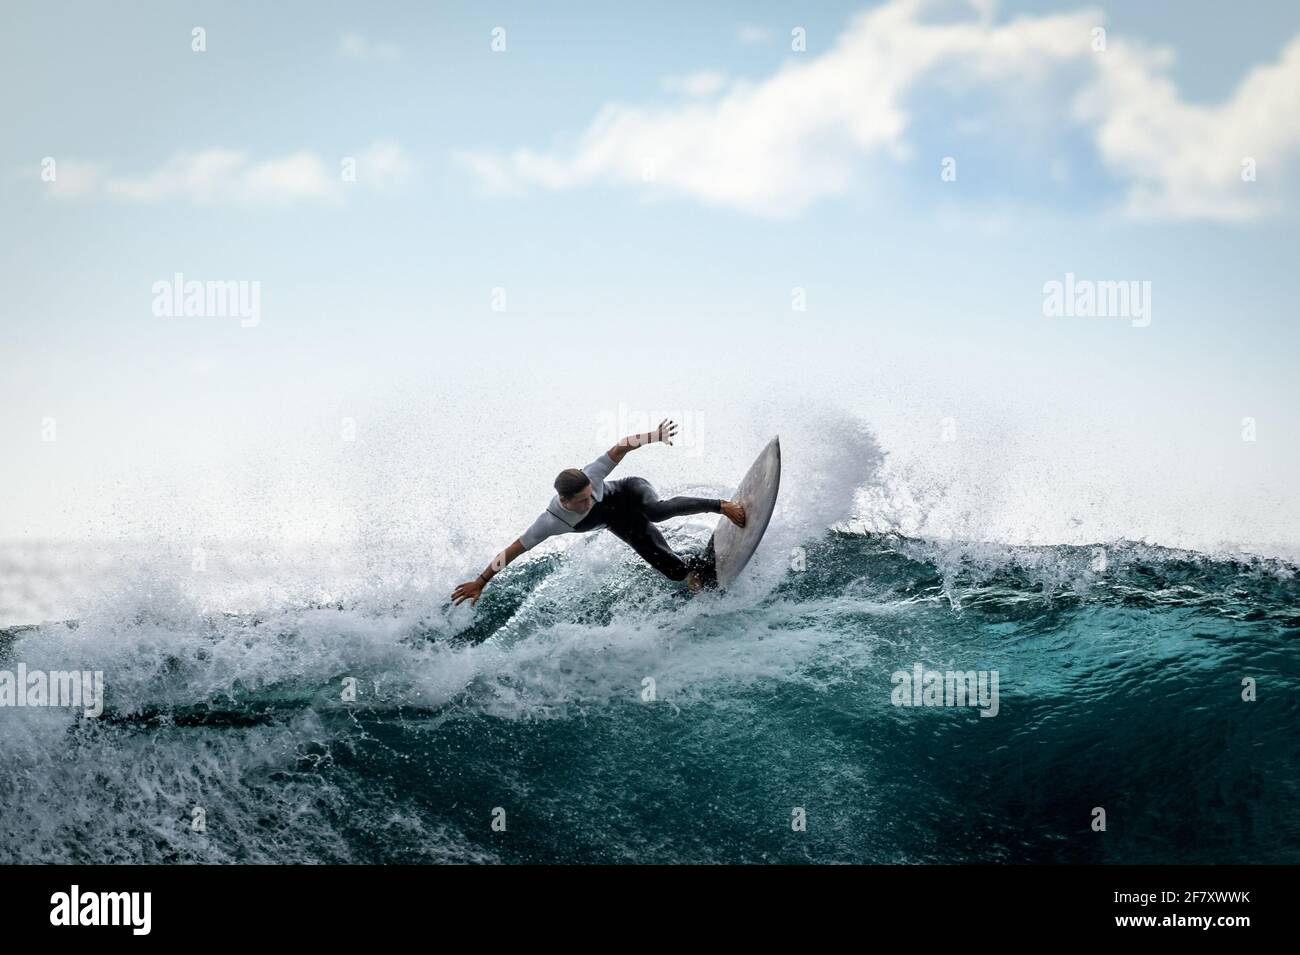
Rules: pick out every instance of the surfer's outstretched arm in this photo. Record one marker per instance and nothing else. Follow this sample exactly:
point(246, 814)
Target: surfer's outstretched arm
point(666, 431)
point(471, 590)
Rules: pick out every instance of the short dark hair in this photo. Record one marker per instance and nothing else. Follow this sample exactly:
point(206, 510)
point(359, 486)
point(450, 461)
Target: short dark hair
point(570, 481)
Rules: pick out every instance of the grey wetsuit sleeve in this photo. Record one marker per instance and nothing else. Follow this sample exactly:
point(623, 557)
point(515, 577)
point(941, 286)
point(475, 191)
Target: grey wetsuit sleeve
point(548, 525)
point(599, 469)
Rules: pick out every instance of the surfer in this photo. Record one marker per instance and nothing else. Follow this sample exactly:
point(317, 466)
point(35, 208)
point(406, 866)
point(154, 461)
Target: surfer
point(585, 501)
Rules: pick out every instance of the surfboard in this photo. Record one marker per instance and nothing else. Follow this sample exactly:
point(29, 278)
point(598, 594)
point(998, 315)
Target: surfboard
point(733, 546)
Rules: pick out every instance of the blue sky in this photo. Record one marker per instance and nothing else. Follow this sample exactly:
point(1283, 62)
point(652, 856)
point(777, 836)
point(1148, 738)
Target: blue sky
point(648, 186)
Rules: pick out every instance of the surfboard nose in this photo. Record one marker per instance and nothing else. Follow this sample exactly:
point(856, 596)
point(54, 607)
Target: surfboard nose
point(733, 545)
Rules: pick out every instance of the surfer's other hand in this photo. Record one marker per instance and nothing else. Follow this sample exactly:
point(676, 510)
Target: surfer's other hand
point(470, 590)
point(666, 431)
point(735, 512)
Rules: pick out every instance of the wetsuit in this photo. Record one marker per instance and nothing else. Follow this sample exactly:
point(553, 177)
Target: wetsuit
point(629, 510)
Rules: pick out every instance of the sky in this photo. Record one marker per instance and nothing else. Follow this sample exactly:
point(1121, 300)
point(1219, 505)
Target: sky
point(483, 236)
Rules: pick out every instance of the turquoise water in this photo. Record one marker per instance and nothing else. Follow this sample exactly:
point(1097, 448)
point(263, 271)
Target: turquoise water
point(1120, 687)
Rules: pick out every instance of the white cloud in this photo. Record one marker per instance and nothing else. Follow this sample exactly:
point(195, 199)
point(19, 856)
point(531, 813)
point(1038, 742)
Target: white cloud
point(231, 177)
point(74, 178)
point(356, 47)
point(220, 175)
point(1185, 160)
point(701, 83)
point(495, 176)
point(816, 127)
point(384, 166)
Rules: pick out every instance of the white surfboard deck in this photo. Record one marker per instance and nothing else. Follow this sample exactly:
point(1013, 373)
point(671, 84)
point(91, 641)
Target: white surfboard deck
point(733, 546)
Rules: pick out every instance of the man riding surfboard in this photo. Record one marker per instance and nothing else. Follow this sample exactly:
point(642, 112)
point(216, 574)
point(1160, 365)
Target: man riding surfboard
point(585, 501)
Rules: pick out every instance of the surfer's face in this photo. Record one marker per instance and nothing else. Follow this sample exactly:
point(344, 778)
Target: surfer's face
point(580, 503)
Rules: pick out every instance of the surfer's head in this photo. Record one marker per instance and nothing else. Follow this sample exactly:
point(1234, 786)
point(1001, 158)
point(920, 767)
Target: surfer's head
point(574, 489)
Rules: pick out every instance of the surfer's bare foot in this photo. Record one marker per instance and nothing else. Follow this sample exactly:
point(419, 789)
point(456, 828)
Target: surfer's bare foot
point(735, 512)
point(693, 583)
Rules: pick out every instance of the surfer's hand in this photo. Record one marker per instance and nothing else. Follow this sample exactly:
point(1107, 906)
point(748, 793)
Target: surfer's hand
point(666, 431)
point(470, 590)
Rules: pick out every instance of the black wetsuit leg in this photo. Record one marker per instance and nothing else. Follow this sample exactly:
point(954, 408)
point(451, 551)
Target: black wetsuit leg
point(644, 538)
point(628, 510)
point(658, 510)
